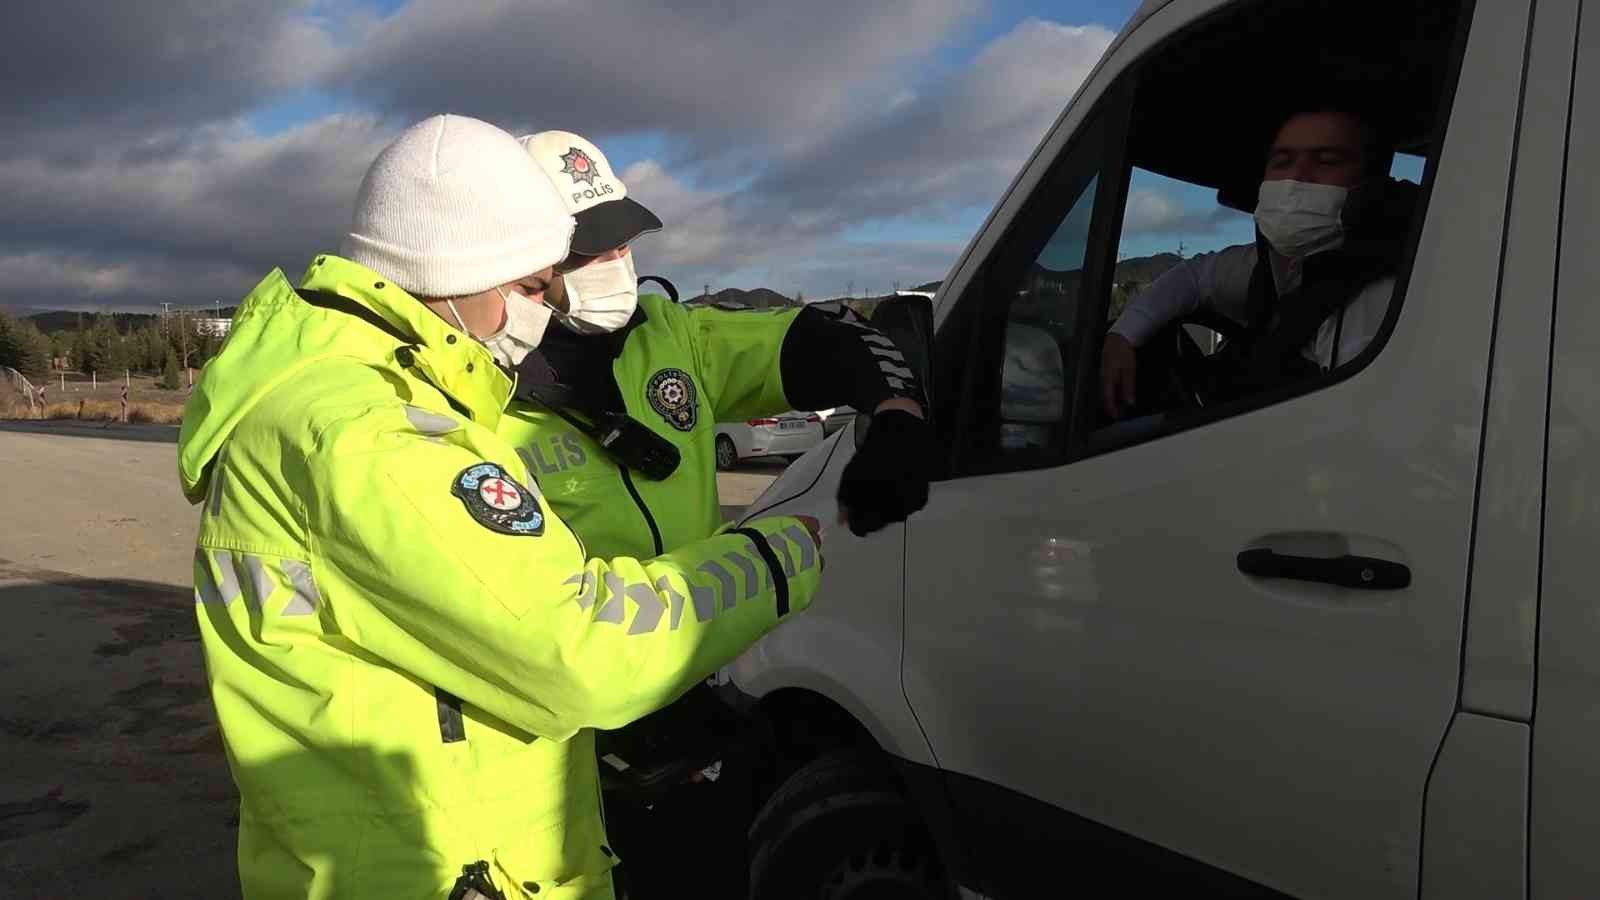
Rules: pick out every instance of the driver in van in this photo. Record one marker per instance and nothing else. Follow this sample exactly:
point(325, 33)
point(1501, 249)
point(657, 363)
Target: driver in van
point(1311, 291)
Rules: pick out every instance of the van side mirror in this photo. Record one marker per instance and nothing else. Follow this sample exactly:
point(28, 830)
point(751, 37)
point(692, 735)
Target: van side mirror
point(906, 319)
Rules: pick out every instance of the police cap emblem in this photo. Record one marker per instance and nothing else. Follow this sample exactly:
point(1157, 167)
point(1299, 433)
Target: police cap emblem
point(671, 393)
point(577, 163)
point(496, 500)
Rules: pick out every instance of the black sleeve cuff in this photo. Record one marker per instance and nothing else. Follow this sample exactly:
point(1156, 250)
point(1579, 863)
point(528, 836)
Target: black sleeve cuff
point(780, 581)
point(836, 359)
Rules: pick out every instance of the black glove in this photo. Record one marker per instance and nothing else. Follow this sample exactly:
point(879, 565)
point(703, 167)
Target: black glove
point(888, 478)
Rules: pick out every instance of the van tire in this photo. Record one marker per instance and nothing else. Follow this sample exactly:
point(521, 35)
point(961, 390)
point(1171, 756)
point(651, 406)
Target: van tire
point(840, 829)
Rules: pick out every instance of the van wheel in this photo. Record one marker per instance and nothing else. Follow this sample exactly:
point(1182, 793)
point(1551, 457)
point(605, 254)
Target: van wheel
point(839, 829)
point(727, 454)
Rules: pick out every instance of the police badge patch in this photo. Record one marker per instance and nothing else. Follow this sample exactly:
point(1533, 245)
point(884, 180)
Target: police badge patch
point(671, 393)
point(497, 501)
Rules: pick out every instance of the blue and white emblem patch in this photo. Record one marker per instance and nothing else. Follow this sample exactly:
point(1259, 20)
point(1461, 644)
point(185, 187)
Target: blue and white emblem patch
point(497, 501)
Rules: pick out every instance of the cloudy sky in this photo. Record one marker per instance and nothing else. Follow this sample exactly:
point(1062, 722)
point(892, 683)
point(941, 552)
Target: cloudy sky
point(176, 150)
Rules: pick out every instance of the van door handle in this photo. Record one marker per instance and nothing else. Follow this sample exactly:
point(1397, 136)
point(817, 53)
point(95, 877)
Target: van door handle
point(1362, 573)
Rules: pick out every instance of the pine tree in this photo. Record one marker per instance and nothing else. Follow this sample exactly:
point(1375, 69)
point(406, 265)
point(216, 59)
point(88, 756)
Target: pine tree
point(35, 350)
point(80, 350)
point(169, 371)
point(101, 346)
point(10, 345)
point(23, 347)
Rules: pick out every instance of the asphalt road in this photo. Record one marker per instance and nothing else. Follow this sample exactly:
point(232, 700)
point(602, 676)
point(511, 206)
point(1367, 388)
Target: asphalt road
point(112, 777)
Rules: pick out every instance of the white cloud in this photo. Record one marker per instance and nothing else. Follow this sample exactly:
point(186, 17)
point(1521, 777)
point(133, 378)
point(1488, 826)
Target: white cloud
point(708, 72)
point(1153, 211)
point(222, 199)
point(933, 159)
point(954, 147)
point(64, 280)
point(90, 65)
point(709, 238)
point(786, 132)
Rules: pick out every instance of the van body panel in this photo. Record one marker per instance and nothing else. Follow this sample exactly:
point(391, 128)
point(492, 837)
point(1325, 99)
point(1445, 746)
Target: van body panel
point(1565, 817)
point(848, 644)
point(1503, 607)
point(1476, 833)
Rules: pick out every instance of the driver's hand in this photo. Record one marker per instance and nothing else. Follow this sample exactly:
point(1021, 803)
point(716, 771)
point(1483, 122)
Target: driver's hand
point(1119, 372)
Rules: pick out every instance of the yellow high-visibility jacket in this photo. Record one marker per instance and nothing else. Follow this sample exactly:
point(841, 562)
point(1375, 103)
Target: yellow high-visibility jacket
point(406, 648)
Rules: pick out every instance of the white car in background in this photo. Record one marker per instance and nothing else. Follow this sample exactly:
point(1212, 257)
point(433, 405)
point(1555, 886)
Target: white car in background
point(788, 434)
point(835, 418)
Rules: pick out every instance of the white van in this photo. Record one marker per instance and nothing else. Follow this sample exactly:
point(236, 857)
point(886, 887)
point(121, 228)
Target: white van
point(1074, 673)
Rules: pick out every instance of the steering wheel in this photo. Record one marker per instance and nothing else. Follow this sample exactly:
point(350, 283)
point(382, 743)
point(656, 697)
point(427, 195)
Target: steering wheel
point(1191, 365)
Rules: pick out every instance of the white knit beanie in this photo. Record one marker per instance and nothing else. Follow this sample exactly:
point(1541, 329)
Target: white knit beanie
point(453, 207)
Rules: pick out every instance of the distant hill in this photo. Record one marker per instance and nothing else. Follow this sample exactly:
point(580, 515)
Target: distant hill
point(1145, 269)
point(734, 298)
point(1136, 272)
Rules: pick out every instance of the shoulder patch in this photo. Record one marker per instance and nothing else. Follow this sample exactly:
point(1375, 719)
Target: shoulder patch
point(671, 393)
point(495, 499)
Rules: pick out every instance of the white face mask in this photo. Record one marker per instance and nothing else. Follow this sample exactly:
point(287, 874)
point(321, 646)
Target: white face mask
point(1299, 219)
point(601, 296)
point(526, 320)
point(460, 322)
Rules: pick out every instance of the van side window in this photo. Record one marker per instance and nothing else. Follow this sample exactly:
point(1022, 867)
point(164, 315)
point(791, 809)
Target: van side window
point(1170, 223)
point(1017, 407)
point(1210, 240)
point(1040, 339)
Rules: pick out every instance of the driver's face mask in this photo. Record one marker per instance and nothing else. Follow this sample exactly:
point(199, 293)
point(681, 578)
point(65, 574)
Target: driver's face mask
point(524, 328)
point(601, 296)
point(1298, 218)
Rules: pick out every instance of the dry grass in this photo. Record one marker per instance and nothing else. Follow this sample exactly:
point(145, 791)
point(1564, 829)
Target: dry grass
point(12, 404)
point(101, 411)
point(157, 413)
point(87, 410)
point(78, 400)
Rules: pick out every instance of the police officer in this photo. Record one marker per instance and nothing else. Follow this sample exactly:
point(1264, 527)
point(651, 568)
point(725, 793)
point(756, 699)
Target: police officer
point(595, 346)
point(682, 370)
point(406, 648)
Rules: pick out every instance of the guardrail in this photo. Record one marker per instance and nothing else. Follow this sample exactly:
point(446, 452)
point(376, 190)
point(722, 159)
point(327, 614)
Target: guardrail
point(21, 383)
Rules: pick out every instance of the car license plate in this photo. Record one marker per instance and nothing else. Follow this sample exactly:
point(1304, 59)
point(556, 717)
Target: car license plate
point(792, 425)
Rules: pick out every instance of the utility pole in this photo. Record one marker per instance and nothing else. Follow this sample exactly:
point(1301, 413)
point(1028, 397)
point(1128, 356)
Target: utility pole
point(850, 289)
point(183, 338)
